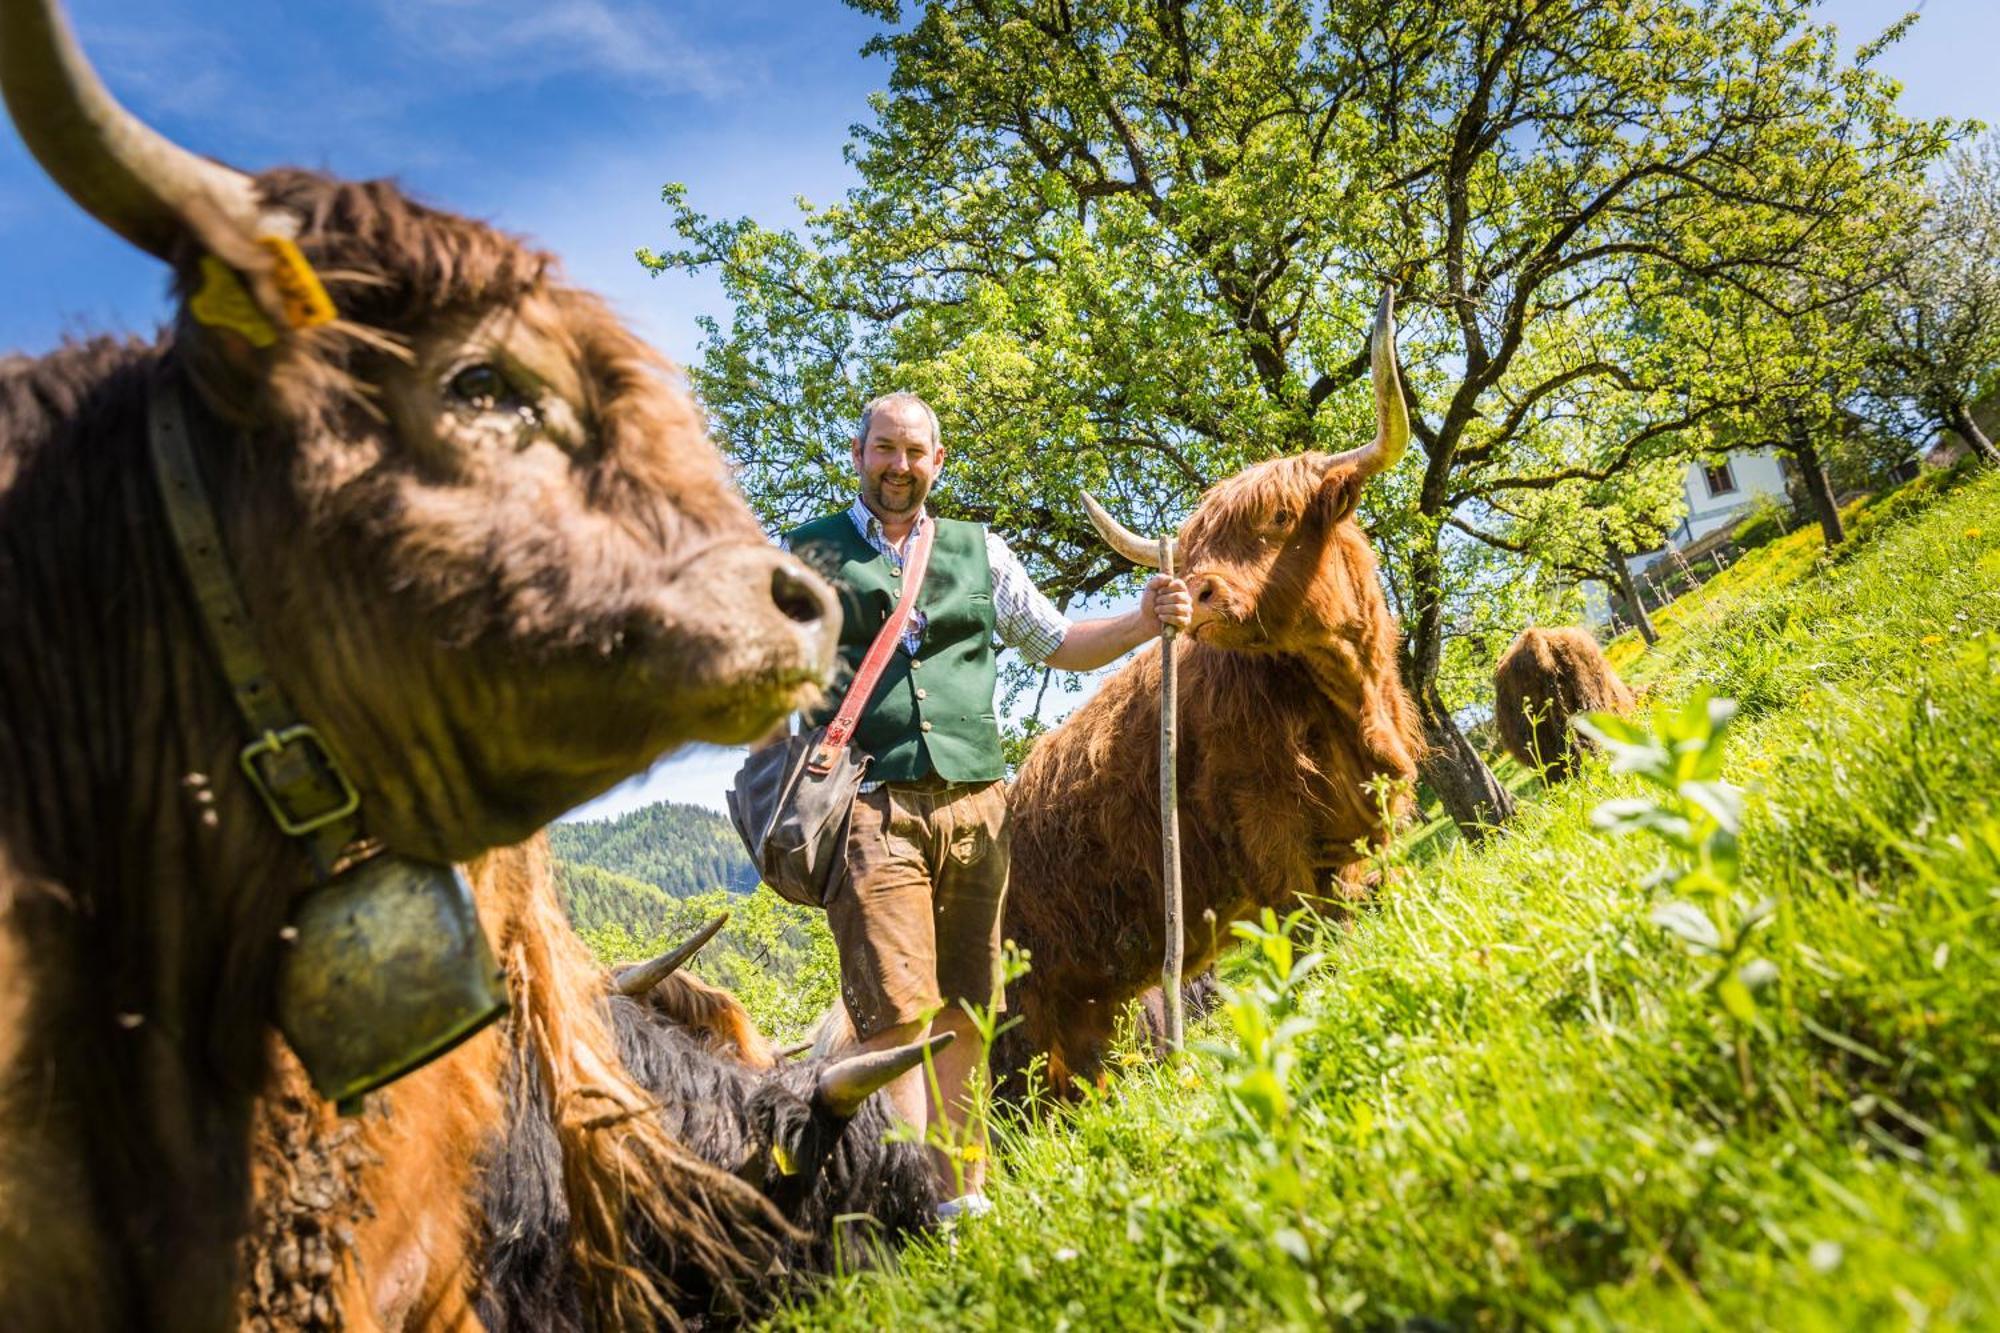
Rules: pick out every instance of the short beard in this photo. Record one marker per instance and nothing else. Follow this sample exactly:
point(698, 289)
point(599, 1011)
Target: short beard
point(882, 506)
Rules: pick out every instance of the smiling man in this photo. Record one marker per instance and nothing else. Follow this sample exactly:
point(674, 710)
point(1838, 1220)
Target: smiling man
point(917, 917)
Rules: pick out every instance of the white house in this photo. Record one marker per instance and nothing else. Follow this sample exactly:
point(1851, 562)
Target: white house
point(1718, 495)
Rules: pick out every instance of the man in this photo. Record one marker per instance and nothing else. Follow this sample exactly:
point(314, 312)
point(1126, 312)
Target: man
point(917, 919)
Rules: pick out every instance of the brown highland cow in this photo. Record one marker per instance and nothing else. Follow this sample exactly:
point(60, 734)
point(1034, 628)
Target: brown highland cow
point(508, 1184)
point(1291, 712)
point(485, 551)
point(1546, 678)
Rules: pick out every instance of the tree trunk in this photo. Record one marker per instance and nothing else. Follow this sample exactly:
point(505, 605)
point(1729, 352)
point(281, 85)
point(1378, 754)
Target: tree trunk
point(1818, 488)
point(1628, 588)
point(1472, 796)
point(1962, 422)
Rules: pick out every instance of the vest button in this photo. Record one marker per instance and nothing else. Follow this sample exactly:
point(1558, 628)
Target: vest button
point(914, 664)
point(926, 726)
point(921, 694)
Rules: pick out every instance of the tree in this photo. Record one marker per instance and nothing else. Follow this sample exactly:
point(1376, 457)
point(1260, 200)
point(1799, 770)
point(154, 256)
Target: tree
point(1939, 339)
point(1797, 354)
point(1132, 248)
point(1585, 531)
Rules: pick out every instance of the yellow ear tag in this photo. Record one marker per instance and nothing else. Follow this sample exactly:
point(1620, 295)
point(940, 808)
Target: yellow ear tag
point(306, 301)
point(782, 1158)
point(222, 303)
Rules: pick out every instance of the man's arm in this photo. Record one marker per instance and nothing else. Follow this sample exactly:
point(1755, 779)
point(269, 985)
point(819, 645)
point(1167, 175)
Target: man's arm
point(1029, 623)
point(1090, 644)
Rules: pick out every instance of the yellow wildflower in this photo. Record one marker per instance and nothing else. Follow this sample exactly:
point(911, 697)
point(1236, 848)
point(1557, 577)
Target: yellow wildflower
point(1931, 640)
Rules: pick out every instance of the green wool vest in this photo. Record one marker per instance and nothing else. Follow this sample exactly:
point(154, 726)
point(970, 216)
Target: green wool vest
point(932, 713)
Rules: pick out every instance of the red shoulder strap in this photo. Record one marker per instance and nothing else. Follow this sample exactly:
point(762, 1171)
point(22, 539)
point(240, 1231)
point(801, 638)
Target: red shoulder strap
point(841, 730)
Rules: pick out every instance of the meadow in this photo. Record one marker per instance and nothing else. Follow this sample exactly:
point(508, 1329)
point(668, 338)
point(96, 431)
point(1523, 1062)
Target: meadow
point(1706, 1039)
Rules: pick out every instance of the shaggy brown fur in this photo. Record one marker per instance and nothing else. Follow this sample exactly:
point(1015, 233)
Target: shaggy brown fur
point(849, 1187)
point(1546, 678)
point(484, 635)
point(398, 1213)
point(1290, 706)
point(713, 1017)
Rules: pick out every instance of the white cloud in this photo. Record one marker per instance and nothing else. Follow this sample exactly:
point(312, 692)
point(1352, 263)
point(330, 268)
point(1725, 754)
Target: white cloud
point(524, 41)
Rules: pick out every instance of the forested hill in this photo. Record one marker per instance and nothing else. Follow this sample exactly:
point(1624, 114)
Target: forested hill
point(625, 870)
point(596, 899)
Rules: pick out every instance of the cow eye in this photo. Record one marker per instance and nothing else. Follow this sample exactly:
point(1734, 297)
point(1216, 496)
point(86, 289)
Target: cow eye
point(1282, 519)
point(481, 386)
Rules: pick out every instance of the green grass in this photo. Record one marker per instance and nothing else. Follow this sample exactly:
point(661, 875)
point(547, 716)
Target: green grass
point(1507, 1098)
point(1779, 562)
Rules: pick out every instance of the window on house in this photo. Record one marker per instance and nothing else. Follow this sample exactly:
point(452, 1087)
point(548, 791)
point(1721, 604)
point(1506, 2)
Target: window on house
point(1721, 481)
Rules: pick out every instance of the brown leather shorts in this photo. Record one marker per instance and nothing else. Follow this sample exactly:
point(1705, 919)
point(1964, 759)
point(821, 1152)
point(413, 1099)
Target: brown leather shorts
point(917, 919)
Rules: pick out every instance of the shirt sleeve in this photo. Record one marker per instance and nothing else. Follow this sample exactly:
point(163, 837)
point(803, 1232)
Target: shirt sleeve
point(1025, 620)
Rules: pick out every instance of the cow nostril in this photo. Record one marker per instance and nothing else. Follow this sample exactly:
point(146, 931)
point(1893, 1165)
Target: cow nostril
point(795, 597)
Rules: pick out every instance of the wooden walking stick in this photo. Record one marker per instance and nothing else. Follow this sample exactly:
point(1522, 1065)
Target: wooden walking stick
point(1159, 554)
point(1170, 818)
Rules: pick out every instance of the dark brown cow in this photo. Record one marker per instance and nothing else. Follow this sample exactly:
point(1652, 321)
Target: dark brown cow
point(1546, 678)
point(810, 1135)
point(487, 551)
point(380, 1221)
point(479, 1191)
point(1291, 709)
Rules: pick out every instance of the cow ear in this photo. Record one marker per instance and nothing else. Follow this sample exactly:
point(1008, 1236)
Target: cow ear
point(1339, 492)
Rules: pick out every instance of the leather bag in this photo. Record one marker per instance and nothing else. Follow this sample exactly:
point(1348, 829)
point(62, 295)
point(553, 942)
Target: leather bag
point(793, 800)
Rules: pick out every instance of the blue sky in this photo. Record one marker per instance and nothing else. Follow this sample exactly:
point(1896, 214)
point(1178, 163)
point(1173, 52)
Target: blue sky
point(561, 119)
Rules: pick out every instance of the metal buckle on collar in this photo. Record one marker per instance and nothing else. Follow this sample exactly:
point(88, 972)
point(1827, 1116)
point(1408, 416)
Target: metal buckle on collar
point(301, 759)
point(822, 761)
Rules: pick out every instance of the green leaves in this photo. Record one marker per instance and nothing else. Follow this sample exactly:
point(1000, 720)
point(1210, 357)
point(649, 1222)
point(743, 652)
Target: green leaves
point(1699, 819)
point(1683, 918)
point(1681, 757)
point(1133, 248)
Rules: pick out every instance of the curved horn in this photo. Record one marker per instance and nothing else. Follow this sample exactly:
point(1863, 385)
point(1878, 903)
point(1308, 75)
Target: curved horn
point(1392, 416)
point(142, 186)
point(1120, 538)
point(642, 977)
point(845, 1084)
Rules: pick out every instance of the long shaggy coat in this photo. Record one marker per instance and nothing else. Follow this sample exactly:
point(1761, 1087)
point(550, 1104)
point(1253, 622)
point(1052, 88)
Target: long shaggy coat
point(1547, 678)
point(1298, 750)
point(387, 1220)
point(454, 624)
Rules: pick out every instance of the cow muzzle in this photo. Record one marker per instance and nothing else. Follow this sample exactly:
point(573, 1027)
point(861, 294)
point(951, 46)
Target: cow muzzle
point(740, 631)
point(1216, 603)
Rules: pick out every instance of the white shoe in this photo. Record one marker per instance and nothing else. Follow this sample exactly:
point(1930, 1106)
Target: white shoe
point(965, 1205)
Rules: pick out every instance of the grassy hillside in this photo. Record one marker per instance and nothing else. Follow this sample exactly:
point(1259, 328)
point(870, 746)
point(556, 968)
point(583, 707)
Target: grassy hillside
point(1639, 1065)
point(638, 885)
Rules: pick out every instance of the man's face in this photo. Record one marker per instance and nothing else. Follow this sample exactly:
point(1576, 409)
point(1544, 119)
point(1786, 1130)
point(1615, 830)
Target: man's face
point(897, 462)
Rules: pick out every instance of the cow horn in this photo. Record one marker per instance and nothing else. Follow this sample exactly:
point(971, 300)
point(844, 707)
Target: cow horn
point(642, 977)
point(845, 1084)
point(1392, 416)
point(1120, 538)
point(142, 186)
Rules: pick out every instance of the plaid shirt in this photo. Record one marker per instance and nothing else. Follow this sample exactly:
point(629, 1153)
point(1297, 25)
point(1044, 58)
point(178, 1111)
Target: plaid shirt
point(1025, 620)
